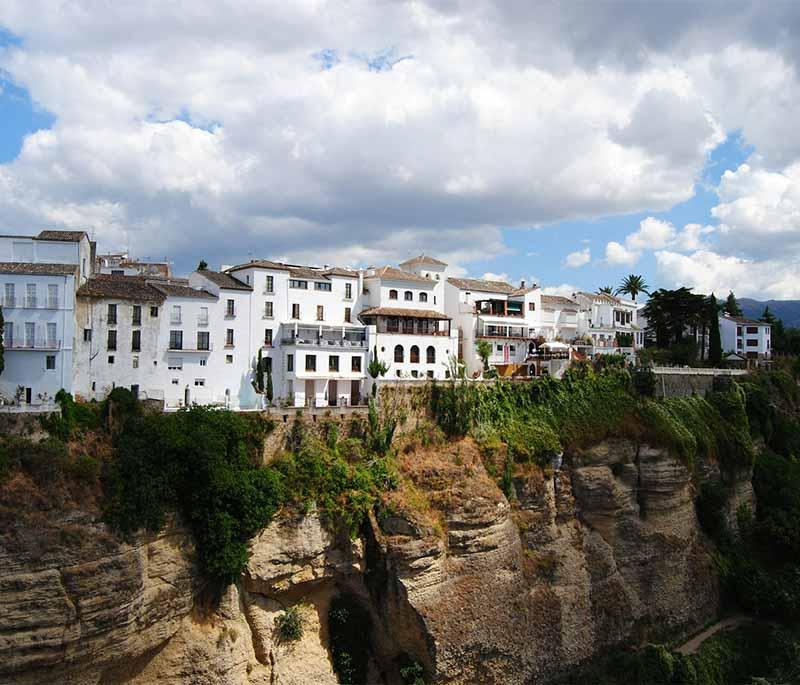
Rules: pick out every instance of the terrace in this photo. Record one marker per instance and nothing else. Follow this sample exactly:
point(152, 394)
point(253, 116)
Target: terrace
point(338, 336)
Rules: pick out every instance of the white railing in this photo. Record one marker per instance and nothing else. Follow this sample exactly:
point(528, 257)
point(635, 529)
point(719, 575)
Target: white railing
point(32, 344)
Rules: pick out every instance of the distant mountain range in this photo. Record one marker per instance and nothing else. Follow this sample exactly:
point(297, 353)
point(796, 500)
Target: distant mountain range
point(787, 310)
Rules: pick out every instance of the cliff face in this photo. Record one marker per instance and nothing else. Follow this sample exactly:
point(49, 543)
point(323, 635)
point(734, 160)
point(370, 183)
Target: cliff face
point(476, 588)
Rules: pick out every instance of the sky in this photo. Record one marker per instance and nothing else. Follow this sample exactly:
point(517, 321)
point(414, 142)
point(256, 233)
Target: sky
point(566, 144)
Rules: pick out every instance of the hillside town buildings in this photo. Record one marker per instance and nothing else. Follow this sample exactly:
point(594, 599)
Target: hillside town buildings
point(89, 323)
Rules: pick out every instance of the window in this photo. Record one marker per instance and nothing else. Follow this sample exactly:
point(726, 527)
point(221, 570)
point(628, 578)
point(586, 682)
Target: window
point(50, 362)
point(347, 315)
point(398, 354)
point(136, 341)
point(499, 348)
point(230, 309)
point(333, 362)
point(175, 381)
point(203, 342)
point(110, 358)
point(175, 363)
point(202, 317)
point(269, 285)
point(320, 313)
point(51, 335)
point(290, 362)
point(175, 315)
point(268, 310)
point(752, 330)
point(295, 311)
point(199, 382)
point(117, 272)
point(135, 391)
point(111, 344)
point(30, 295)
point(203, 362)
point(752, 343)
point(10, 300)
point(355, 364)
point(268, 337)
point(414, 354)
point(348, 291)
point(531, 306)
point(137, 315)
point(176, 340)
point(512, 349)
point(408, 296)
point(322, 286)
point(112, 314)
point(30, 333)
point(423, 297)
point(8, 333)
point(87, 335)
point(52, 296)
point(311, 362)
point(392, 294)
point(135, 361)
point(153, 312)
point(429, 374)
point(229, 338)
point(229, 359)
point(415, 374)
point(430, 354)
point(294, 283)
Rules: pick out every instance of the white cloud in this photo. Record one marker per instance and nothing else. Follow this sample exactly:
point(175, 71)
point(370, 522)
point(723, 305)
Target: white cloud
point(617, 254)
point(707, 271)
point(577, 259)
point(565, 290)
point(692, 238)
point(653, 234)
point(489, 276)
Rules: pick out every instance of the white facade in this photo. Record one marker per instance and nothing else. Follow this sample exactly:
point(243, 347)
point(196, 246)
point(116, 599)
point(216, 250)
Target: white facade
point(304, 320)
point(407, 326)
point(603, 320)
point(746, 337)
point(39, 276)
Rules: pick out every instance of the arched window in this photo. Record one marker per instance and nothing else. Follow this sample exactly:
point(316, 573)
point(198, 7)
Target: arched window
point(398, 353)
point(430, 354)
point(408, 296)
point(392, 294)
point(423, 297)
point(414, 354)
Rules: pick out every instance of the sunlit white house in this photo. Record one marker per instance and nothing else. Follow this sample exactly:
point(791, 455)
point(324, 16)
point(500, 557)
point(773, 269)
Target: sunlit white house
point(746, 337)
point(608, 324)
point(39, 277)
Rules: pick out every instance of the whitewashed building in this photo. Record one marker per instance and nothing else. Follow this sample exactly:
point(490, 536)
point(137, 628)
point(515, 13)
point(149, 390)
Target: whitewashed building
point(608, 324)
point(746, 337)
point(39, 277)
point(304, 321)
point(406, 324)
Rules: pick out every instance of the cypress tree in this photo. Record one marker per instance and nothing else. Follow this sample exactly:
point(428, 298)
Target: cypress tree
point(732, 306)
point(714, 341)
point(2, 341)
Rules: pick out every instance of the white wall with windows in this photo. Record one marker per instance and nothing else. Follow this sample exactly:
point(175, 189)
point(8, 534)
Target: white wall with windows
point(746, 337)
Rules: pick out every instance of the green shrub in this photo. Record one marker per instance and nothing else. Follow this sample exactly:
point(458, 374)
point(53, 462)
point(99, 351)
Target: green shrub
point(644, 382)
point(289, 625)
point(84, 469)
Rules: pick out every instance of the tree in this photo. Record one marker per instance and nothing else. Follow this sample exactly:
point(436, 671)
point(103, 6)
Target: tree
point(632, 285)
point(203, 265)
point(484, 349)
point(606, 290)
point(714, 340)
point(671, 314)
point(376, 368)
point(732, 306)
point(768, 317)
point(2, 341)
point(258, 383)
point(269, 386)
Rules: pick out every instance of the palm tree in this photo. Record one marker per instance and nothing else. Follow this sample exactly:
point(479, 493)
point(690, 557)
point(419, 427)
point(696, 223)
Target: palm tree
point(633, 285)
point(606, 290)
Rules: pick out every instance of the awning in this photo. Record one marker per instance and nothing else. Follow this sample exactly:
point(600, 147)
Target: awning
point(555, 345)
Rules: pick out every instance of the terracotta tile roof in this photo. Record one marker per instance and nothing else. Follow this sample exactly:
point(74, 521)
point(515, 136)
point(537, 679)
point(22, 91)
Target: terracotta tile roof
point(340, 271)
point(121, 288)
point(391, 273)
point(482, 285)
point(558, 300)
point(307, 272)
point(179, 290)
point(745, 320)
point(604, 297)
point(259, 264)
point(423, 259)
point(522, 291)
point(63, 236)
point(225, 280)
point(42, 268)
point(401, 312)
point(297, 270)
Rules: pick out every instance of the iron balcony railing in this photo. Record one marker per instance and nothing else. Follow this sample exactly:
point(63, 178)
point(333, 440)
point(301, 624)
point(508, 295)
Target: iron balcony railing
point(31, 344)
point(30, 303)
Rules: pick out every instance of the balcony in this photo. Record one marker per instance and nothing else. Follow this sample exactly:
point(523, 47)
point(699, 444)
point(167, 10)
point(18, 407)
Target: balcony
point(201, 321)
point(201, 348)
point(32, 344)
point(230, 313)
point(502, 308)
point(30, 303)
point(326, 336)
point(174, 320)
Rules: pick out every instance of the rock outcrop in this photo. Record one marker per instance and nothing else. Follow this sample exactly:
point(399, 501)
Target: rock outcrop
point(470, 584)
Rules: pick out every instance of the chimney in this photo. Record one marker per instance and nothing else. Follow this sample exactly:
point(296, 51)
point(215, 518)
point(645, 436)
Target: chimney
point(522, 284)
